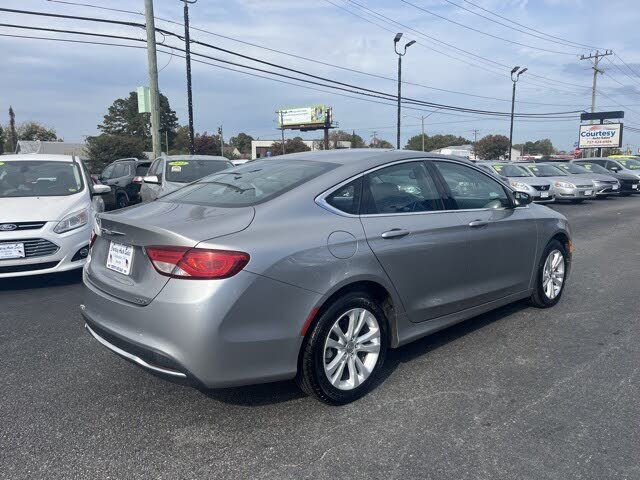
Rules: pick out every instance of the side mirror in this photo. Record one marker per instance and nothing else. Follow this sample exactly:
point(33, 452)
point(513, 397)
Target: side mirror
point(151, 179)
point(100, 189)
point(614, 168)
point(522, 199)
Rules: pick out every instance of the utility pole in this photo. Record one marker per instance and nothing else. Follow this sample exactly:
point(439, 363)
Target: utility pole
point(400, 55)
point(374, 139)
point(152, 60)
point(596, 60)
point(282, 130)
point(514, 78)
point(475, 140)
point(13, 135)
point(220, 132)
point(187, 50)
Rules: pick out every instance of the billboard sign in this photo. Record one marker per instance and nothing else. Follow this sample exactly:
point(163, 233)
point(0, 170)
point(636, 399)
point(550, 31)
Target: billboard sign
point(314, 115)
point(608, 135)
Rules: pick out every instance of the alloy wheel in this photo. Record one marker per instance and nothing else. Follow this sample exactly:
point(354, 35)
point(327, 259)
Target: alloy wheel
point(351, 349)
point(553, 274)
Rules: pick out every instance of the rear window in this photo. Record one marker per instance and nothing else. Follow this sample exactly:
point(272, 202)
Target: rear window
point(249, 184)
point(189, 170)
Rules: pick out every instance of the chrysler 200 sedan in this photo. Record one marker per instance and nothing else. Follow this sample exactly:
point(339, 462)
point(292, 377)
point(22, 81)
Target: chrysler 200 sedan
point(312, 265)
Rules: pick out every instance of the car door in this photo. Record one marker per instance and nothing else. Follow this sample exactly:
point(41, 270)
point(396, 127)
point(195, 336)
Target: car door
point(502, 239)
point(149, 191)
point(420, 246)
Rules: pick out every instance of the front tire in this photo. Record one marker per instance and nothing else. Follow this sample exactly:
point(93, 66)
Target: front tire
point(344, 352)
point(122, 201)
point(551, 275)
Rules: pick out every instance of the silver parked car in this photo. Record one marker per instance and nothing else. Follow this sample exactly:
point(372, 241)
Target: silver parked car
point(311, 265)
point(605, 184)
point(169, 173)
point(522, 180)
point(566, 187)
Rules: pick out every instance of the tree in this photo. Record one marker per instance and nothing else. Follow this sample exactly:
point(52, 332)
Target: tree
point(32, 131)
point(1, 140)
point(542, 147)
point(123, 119)
point(242, 142)
point(104, 149)
point(291, 145)
point(341, 136)
point(205, 144)
point(435, 142)
point(180, 141)
point(492, 147)
point(379, 143)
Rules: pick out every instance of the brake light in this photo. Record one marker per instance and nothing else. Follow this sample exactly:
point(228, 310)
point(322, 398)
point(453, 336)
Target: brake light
point(196, 263)
point(92, 239)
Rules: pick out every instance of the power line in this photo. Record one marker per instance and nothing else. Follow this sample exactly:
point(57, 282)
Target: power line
point(543, 36)
point(513, 42)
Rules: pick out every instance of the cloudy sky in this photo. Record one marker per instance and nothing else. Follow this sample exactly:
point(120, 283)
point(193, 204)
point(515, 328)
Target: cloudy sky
point(70, 85)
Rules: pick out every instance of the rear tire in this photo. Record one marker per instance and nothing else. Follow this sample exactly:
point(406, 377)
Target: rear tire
point(550, 275)
point(344, 351)
point(122, 201)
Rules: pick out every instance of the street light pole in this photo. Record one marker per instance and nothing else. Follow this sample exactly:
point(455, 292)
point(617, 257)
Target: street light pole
point(514, 79)
point(187, 50)
point(400, 55)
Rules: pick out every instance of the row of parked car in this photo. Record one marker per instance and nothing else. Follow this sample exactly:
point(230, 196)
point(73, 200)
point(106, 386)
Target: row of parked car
point(574, 181)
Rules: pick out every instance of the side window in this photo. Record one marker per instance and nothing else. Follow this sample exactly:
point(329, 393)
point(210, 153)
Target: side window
point(107, 173)
point(154, 169)
point(347, 198)
point(471, 189)
point(403, 188)
point(611, 165)
point(119, 170)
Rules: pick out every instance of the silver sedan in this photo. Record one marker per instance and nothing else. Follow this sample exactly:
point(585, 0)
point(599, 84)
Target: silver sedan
point(310, 266)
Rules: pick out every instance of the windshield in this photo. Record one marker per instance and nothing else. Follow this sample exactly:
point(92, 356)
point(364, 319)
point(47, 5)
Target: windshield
point(188, 170)
point(511, 171)
point(542, 170)
point(249, 184)
point(595, 168)
point(39, 178)
point(573, 168)
point(630, 163)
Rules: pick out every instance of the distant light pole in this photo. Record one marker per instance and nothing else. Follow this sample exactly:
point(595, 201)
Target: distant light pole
point(400, 55)
point(187, 50)
point(421, 118)
point(514, 78)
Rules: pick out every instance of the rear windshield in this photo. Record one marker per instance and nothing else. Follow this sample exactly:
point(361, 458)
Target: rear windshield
point(249, 184)
point(39, 178)
point(189, 170)
point(511, 171)
point(542, 170)
point(630, 163)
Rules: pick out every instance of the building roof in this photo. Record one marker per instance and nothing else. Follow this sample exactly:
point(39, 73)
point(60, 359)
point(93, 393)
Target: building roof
point(52, 148)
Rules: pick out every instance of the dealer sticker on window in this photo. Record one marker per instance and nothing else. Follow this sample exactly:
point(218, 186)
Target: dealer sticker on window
point(120, 258)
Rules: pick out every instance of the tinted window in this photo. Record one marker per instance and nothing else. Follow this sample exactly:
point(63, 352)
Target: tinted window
point(142, 169)
point(120, 170)
point(347, 198)
point(39, 178)
point(154, 169)
point(249, 184)
point(472, 189)
point(508, 170)
point(188, 170)
point(108, 171)
point(594, 167)
point(542, 170)
point(573, 168)
point(631, 163)
point(402, 188)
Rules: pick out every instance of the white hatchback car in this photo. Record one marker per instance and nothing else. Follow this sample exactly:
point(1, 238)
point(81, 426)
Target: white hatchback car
point(48, 205)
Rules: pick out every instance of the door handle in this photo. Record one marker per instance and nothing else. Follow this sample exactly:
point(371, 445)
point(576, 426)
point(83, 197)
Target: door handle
point(395, 233)
point(478, 223)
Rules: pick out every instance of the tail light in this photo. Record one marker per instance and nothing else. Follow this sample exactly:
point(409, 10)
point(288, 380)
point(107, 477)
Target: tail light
point(92, 239)
point(137, 180)
point(196, 263)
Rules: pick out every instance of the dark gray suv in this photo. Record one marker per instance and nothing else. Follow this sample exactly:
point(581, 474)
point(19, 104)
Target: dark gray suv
point(120, 175)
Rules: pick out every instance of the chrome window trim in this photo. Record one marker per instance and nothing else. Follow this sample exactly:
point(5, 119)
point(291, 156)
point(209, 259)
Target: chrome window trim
point(321, 201)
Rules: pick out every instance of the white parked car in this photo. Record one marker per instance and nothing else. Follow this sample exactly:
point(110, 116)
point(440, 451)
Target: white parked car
point(48, 205)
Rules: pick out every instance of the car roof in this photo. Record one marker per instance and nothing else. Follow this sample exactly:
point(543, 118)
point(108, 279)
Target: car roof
point(195, 157)
point(38, 156)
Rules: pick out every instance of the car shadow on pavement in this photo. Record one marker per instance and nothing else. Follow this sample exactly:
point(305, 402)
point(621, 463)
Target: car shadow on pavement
point(41, 281)
point(280, 392)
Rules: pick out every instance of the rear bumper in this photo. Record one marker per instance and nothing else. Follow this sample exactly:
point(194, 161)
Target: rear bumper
point(233, 332)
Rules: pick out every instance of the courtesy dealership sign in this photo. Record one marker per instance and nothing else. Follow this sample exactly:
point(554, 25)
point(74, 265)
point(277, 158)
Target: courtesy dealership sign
point(608, 135)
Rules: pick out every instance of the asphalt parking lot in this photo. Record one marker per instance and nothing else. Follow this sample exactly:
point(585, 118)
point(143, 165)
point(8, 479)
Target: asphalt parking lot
point(516, 393)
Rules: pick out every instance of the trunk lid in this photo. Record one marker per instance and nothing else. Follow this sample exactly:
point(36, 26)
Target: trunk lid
point(156, 223)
